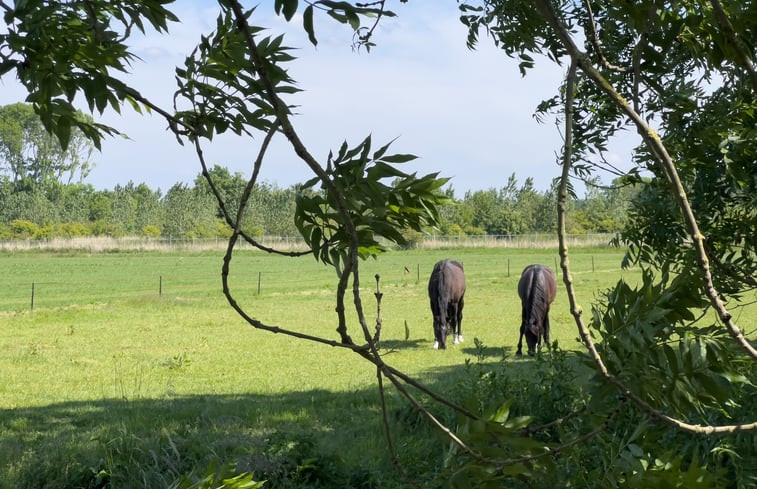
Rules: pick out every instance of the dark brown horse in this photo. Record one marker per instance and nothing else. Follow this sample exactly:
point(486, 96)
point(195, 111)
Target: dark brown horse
point(446, 289)
point(537, 289)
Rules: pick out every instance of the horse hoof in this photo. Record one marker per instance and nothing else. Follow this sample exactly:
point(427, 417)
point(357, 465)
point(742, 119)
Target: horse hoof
point(436, 345)
point(519, 354)
point(459, 338)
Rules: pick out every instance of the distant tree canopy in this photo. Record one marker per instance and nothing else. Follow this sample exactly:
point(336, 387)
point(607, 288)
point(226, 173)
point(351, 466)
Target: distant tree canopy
point(38, 198)
point(191, 211)
point(30, 156)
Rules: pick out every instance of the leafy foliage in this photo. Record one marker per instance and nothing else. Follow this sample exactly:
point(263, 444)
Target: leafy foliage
point(218, 476)
point(717, 165)
point(223, 89)
point(651, 339)
point(30, 157)
point(378, 209)
point(63, 49)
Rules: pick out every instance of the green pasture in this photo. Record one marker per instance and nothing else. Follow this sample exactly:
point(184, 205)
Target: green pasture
point(132, 367)
point(111, 325)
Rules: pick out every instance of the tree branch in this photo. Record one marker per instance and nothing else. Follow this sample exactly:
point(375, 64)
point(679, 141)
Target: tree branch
point(652, 140)
point(282, 117)
point(388, 433)
point(594, 40)
point(738, 46)
point(578, 60)
point(236, 222)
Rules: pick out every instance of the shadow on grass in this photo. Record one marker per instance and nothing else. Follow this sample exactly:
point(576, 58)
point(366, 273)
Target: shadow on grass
point(297, 439)
point(290, 439)
point(488, 353)
point(387, 346)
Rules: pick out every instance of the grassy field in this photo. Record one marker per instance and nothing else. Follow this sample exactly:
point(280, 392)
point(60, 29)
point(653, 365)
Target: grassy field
point(133, 367)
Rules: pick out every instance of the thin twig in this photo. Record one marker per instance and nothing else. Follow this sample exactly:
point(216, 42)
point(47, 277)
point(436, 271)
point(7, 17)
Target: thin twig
point(594, 39)
point(388, 433)
point(367, 36)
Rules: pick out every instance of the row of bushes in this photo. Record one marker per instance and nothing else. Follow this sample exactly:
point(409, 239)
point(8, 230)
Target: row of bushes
point(28, 230)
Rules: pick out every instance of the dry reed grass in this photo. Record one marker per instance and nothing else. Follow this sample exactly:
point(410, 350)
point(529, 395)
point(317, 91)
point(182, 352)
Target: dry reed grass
point(530, 241)
point(104, 244)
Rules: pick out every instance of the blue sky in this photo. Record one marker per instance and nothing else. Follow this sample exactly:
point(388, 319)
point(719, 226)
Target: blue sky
point(467, 114)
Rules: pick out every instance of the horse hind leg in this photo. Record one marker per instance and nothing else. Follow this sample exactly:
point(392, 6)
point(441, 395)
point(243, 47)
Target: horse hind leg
point(454, 322)
point(546, 330)
point(459, 332)
point(437, 334)
point(519, 353)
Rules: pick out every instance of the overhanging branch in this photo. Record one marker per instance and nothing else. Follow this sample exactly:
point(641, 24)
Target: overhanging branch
point(579, 60)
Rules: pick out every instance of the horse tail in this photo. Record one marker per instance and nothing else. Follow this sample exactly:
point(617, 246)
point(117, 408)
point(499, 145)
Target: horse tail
point(526, 288)
point(436, 292)
point(534, 307)
point(442, 296)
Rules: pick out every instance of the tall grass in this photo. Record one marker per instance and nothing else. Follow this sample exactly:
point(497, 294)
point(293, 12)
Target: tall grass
point(99, 244)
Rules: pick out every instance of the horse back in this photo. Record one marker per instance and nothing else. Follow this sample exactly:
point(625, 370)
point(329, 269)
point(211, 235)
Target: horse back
point(454, 279)
point(447, 280)
point(537, 289)
point(537, 277)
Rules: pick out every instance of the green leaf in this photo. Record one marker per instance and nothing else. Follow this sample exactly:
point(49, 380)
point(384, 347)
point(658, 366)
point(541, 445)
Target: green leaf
point(353, 20)
point(399, 158)
point(289, 9)
point(307, 24)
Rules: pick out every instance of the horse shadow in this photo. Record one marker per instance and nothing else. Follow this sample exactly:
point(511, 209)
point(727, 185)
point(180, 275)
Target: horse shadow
point(485, 353)
point(387, 346)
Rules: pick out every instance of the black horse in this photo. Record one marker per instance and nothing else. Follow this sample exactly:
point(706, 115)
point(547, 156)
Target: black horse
point(537, 289)
point(446, 289)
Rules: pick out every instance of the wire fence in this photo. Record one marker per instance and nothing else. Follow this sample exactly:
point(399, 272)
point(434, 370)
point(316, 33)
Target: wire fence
point(59, 280)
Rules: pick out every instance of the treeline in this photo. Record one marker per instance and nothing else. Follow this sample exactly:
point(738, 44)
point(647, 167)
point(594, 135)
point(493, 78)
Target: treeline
point(190, 211)
point(42, 195)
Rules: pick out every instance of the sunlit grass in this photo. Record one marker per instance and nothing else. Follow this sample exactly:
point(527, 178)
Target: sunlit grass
point(105, 332)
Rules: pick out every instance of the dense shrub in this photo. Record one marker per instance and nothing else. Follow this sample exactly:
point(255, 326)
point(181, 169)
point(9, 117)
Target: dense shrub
point(23, 229)
point(151, 231)
point(519, 403)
